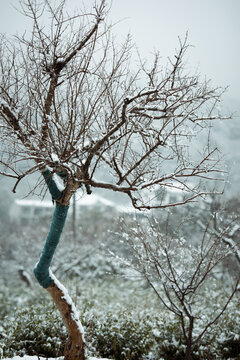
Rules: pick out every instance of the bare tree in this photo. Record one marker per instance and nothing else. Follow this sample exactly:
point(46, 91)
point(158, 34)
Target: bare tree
point(71, 107)
point(178, 271)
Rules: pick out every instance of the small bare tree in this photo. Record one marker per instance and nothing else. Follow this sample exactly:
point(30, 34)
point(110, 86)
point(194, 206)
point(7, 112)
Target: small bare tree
point(178, 271)
point(72, 108)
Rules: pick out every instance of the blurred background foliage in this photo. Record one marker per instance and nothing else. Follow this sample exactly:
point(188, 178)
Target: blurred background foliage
point(122, 317)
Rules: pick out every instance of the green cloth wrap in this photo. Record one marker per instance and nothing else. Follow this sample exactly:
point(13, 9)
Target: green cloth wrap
point(54, 191)
point(41, 270)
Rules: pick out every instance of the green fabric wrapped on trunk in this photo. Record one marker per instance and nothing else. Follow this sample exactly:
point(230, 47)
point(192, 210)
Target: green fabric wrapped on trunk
point(52, 186)
point(41, 270)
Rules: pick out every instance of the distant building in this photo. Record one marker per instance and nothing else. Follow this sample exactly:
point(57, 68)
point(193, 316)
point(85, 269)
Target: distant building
point(26, 211)
point(173, 196)
point(29, 211)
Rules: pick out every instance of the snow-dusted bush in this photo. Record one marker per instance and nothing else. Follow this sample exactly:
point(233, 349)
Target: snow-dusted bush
point(36, 330)
point(119, 335)
point(87, 263)
point(226, 333)
point(145, 331)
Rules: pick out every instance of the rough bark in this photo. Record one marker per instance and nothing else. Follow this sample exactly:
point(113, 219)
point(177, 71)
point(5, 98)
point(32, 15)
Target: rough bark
point(189, 340)
point(188, 351)
point(74, 348)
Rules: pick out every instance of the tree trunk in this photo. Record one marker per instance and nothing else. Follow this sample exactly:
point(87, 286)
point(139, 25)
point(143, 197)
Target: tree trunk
point(188, 350)
point(189, 339)
point(75, 346)
point(74, 216)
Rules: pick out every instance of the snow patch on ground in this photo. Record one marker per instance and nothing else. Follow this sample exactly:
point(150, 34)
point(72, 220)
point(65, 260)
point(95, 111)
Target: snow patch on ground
point(27, 357)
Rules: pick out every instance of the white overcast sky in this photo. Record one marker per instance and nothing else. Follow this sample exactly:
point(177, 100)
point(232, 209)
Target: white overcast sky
point(213, 27)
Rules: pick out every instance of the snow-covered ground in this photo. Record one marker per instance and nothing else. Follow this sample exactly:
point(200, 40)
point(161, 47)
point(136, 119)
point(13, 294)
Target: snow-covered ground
point(26, 357)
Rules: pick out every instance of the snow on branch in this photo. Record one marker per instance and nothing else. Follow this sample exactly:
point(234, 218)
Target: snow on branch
point(77, 96)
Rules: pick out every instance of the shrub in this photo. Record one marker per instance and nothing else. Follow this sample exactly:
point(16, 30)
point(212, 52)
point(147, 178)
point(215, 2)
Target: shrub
point(228, 333)
point(120, 335)
point(144, 332)
point(36, 330)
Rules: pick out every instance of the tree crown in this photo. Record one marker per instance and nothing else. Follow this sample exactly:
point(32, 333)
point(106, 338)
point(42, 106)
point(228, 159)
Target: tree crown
point(71, 102)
